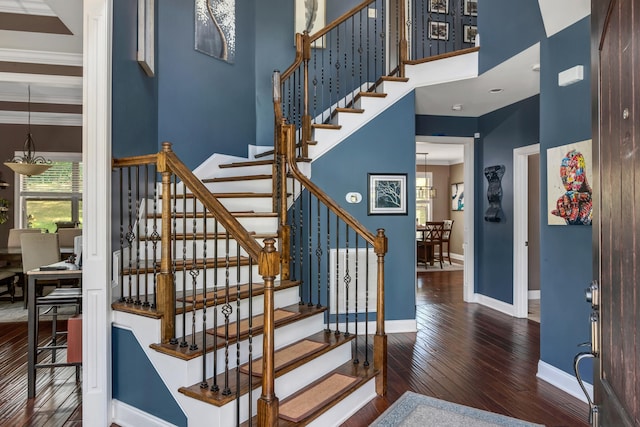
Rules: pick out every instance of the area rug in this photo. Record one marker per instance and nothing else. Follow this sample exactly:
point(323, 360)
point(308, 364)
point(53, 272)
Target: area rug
point(414, 409)
point(12, 312)
point(436, 267)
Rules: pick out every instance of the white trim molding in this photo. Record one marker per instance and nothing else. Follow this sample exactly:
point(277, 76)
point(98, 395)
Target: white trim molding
point(41, 57)
point(533, 294)
point(565, 382)
point(96, 239)
point(493, 303)
point(520, 222)
point(126, 415)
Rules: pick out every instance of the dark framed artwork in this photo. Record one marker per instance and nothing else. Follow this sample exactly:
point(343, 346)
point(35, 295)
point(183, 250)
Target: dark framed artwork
point(387, 194)
point(471, 7)
point(439, 6)
point(438, 30)
point(457, 196)
point(469, 32)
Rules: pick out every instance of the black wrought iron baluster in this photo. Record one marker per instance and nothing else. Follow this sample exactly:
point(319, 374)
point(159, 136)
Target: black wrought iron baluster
point(337, 65)
point(330, 71)
point(424, 25)
point(227, 310)
point(174, 240)
point(203, 383)
point(184, 343)
point(137, 236)
point(130, 236)
point(366, 308)
point(353, 64)
point(214, 386)
point(294, 231)
point(121, 263)
point(360, 50)
point(337, 282)
point(238, 300)
point(347, 280)
point(310, 249)
point(146, 236)
point(155, 238)
point(375, 50)
point(314, 82)
point(328, 259)
point(194, 272)
point(301, 237)
point(367, 55)
point(383, 37)
point(318, 251)
point(250, 337)
point(357, 296)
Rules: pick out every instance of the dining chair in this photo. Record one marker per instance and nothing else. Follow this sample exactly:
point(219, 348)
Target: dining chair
point(446, 237)
point(11, 274)
point(66, 236)
point(432, 240)
point(38, 249)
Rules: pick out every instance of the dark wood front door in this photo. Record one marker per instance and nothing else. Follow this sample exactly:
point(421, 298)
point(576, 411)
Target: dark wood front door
point(616, 137)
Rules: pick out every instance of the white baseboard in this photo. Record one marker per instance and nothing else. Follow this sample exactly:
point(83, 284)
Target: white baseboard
point(458, 257)
point(533, 294)
point(390, 326)
point(493, 303)
point(127, 416)
point(565, 382)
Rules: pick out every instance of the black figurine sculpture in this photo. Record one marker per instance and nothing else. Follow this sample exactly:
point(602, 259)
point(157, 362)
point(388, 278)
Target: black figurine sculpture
point(494, 175)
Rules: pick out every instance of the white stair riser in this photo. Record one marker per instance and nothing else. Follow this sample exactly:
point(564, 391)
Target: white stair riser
point(233, 204)
point(252, 224)
point(282, 299)
point(185, 249)
point(253, 185)
point(131, 281)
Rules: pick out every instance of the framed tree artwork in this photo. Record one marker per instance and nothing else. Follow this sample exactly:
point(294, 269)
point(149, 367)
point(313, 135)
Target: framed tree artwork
point(387, 194)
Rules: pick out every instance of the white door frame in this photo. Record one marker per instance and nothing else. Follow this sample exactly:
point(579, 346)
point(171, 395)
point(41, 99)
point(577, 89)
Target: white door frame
point(469, 202)
point(96, 237)
point(520, 228)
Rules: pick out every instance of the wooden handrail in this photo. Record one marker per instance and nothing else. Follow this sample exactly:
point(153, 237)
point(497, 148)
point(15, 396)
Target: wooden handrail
point(340, 20)
point(202, 193)
point(288, 138)
point(147, 159)
point(443, 55)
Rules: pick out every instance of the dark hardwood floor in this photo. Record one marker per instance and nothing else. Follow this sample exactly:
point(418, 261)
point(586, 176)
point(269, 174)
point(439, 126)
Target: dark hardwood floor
point(58, 401)
point(471, 355)
point(463, 353)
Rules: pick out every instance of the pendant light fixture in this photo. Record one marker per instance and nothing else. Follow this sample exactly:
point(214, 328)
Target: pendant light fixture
point(29, 164)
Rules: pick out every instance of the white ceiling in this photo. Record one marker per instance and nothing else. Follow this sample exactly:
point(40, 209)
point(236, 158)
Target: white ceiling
point(515, 76)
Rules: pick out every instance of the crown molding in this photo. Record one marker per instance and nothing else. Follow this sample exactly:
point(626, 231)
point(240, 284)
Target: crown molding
point(37, 118)
point(29, 7)
point(41, 57)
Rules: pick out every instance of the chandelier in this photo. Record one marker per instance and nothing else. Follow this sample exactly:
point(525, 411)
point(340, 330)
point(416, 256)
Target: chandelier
point(29, 164)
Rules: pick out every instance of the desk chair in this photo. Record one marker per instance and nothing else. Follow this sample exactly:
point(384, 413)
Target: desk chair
point(446, 236)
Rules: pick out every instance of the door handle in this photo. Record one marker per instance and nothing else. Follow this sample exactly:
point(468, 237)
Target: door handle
point(593, 408)
point(592, 295)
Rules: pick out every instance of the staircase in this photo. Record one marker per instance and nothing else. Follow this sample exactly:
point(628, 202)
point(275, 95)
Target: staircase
point(258, 299)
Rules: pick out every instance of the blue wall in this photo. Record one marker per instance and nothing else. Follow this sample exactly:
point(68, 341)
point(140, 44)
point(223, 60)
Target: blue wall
point(384, 145)
point(205, 105)
point(506, 28)
point(134, 95)
point(500, 132)
point(136, 382)
point(446, 125)
point(565, 251)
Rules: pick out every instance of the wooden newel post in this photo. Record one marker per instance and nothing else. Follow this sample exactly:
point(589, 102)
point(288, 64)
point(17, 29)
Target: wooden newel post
point(306, 117)
point(380, 339)
point(165, 287)
point(268, 267)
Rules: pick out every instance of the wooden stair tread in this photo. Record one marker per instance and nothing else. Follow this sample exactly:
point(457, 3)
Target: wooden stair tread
point(312, 401)
point(181, 264)
point(220, 294)
point(185, 353)
point(246, 163)
point(349, 110)
point(326, 126)
point(237, 178)
point(190, 215)
point(394, 79)
point(326, 342)
point(243, 195)
point(372, 95)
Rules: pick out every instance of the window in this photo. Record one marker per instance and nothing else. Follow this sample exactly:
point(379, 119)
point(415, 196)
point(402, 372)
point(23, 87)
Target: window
point(53, 198)
point(424, 182)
